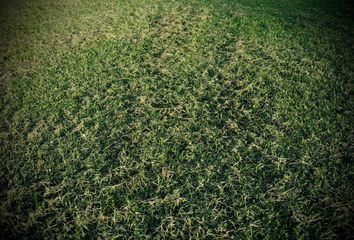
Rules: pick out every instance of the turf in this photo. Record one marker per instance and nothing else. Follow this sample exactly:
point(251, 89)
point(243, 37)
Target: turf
point(152, 119)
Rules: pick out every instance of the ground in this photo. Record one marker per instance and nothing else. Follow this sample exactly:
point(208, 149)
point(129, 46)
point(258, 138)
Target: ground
point(209, 119)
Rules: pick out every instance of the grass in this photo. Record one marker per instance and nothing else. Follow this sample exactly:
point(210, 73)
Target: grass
point(176, 119)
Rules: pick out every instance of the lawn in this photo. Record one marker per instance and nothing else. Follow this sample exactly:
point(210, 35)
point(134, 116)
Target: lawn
point(199, 119)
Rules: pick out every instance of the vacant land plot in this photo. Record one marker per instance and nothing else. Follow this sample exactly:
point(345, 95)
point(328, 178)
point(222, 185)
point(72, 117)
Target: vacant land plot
point(207, 119)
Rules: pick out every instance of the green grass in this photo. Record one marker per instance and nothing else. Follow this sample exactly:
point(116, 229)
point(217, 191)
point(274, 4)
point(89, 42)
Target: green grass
point(207, 119)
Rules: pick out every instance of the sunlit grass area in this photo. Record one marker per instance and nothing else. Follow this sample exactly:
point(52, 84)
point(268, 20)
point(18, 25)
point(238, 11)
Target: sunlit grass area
point(200, 119)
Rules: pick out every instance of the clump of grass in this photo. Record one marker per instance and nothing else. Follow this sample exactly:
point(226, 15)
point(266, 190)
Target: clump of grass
point(186, 119)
